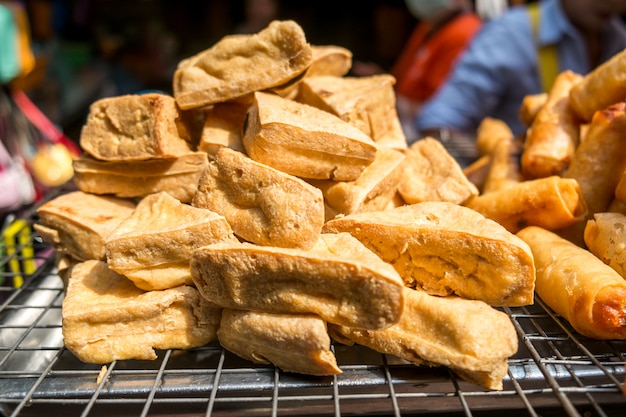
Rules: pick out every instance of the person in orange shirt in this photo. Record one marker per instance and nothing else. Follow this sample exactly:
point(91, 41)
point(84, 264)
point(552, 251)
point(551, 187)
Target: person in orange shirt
point(445, 29)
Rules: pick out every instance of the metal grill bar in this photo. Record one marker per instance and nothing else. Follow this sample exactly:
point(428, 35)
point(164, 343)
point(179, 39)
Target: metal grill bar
point(461, 396)
point(99, 389)
point(157, 380)
point(522, 395)
point(29, 394)
point(580, 346)
point(394, 400)
point(218, 373)
point(567, 405)
point(556, 371)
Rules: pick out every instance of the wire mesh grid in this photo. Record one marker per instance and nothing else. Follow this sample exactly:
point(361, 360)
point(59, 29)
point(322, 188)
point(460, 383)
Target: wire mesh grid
point(555, 372)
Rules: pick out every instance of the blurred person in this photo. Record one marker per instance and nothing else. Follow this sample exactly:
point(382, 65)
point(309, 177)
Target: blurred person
point(444, 29)
point(501, 65)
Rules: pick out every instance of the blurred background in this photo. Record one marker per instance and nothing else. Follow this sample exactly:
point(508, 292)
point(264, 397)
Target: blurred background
point(87, 49)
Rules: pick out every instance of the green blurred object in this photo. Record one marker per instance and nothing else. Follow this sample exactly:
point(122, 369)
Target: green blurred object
point(9, 62)
point(76, 54)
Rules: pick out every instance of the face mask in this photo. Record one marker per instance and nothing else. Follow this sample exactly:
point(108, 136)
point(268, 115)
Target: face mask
point(426, 9)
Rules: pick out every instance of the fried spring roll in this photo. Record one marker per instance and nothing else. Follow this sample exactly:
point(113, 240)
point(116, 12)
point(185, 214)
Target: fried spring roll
point(551, 202)
point(468, 336)
point(552, 138)
point(478, 170)
point(617, 206)
point(577, 285)
point(600, 88)
point(620, 188)
point(504, 169)
point(584, 128)
point(531, 104)
point(598, 164)
point(490, 132)
point(605, 238)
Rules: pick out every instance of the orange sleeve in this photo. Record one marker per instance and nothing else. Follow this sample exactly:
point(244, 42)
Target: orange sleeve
point(405, 60)
point(429, 69)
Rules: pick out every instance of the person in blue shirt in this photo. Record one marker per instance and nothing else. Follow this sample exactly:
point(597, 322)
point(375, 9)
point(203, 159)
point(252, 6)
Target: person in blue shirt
point(501, 65)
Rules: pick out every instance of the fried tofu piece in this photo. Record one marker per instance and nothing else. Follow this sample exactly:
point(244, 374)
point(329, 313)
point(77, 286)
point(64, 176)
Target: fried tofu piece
point(240, 64)
point(130, 179)
point(79, 223)
point(305, 141)
point(374, 190)
point(471, 338)
point(447, 249)
point(368, 103)
point(262, 205)
point(432, 174)
point(223, 127)
point(133, 127)
point(292, 342)
point(153, 246)
point(107, 318)
point(339, 279)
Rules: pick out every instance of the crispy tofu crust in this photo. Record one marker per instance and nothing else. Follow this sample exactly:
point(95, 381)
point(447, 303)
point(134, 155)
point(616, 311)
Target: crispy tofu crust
point(240, 64)
point(263, 205)
point(78, 223)
point(133, 127)
point(339, 279)
point(106, 317)
point(444, 331)
point(293, 342)
point(447, 249)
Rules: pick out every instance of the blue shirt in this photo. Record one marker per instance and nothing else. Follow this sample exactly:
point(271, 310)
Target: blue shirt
point(500, 68)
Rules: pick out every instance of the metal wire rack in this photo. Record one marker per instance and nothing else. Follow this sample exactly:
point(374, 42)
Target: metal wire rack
point(556, 371)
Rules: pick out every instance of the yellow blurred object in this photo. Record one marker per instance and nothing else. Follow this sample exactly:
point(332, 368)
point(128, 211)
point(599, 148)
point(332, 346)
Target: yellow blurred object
point(548, 56)
point(19, 249)
point(52, 165)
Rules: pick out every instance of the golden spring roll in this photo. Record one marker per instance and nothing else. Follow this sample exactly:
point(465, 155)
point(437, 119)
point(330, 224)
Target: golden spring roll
point(598, 164)
point(477, 171)
point(620, 188)
point(577, 285)
point(617, 206)
point(489, 133)
point(584, 128)
point(552, 138)
point(551, 202)
point(531, 104)
point(600, 88)
point(605, 238)
point(504, 169)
